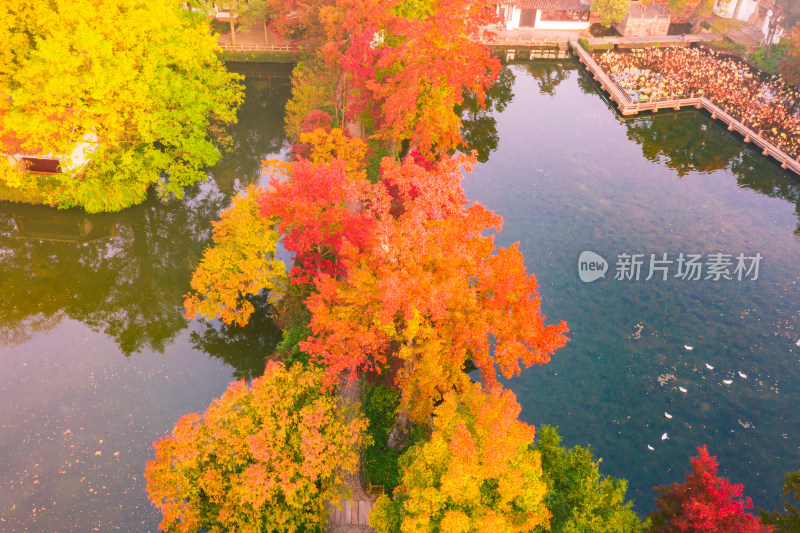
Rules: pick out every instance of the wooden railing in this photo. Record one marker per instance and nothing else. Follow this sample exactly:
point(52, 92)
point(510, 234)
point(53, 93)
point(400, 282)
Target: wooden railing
point(506, 40)
point(257, 48)
point(628, 107)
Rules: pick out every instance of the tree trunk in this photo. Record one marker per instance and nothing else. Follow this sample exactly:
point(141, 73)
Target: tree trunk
point(737, 8)
point(231, 7)
point(398, 435)
point(266, 34)
point(340, 96)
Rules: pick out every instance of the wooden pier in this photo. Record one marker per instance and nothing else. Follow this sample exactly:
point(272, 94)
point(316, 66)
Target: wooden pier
point(627, 107)
point(525, 46)
point(528, 52)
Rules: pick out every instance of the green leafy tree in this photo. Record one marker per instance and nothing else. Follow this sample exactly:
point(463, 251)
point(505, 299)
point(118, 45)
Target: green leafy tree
point(610, 11)
point(264, 457)
point(127, 93)
point(580, 499)
point(788, 522)
point(476, 473)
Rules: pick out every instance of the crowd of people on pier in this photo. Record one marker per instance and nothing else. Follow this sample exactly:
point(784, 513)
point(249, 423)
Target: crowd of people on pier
point(763, 103)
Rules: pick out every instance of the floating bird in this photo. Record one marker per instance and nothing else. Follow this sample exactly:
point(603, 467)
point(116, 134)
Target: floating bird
point(727, 381)
point(709, 367)
point(742, 375)
point(650, 448)
point(667, 415)
point(688, 347)
point(682, 390)
point(664, 436)
point(798, 342)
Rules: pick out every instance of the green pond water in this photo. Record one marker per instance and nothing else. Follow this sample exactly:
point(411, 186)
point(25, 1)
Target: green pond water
point(96, 361)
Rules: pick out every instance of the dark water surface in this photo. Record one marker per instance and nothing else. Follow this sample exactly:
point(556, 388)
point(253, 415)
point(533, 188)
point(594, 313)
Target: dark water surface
point(96, 361)
point(569, 176)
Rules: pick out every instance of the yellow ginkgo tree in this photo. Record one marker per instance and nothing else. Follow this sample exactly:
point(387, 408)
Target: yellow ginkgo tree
point(125, 94)
point(477, 472)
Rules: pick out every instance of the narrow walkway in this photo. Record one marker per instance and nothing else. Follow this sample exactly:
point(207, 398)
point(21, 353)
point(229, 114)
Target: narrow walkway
point(673, 39)
point(626, 107)
point(531, 37)
point(351, 516)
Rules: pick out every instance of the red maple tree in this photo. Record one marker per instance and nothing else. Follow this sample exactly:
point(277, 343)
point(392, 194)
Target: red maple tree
point(433, 292)
point(704, 503)
point(318, 209)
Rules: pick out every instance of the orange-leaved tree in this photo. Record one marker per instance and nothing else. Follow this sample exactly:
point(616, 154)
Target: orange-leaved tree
point(409, 63)
point(264, 457)
point(790, 65)
point(477, 472)
point(432, 292)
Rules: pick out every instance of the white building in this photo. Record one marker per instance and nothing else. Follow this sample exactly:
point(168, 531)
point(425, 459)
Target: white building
point(757, 13)
point(545, 14)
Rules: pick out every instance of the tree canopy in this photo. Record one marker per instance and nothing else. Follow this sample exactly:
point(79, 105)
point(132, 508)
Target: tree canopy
point(431, 291)
point(580, 499)
point(610, 11)
point(476, 473)
point(241, 263)
point(264, 457)
point(704, 503)
point(127, 93)
point(790, 65)
point(789, 521)
point(409, 64)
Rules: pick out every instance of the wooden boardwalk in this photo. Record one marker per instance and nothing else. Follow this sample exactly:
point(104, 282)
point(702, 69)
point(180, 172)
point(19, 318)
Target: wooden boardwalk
point(627, 107)
point(350, 515)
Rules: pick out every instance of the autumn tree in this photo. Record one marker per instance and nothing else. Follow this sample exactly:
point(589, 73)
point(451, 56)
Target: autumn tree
point(431, 291)
point(319, 209)
point(408, 64)
point(313, 89)
point(128, 94)
point(326, 145)
point(789, 520)
point(789, 66)
point(263, 457)
point(241, 263)
point(704, 503)
point(476, 473)
point(580, 499)
point(610, 11)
